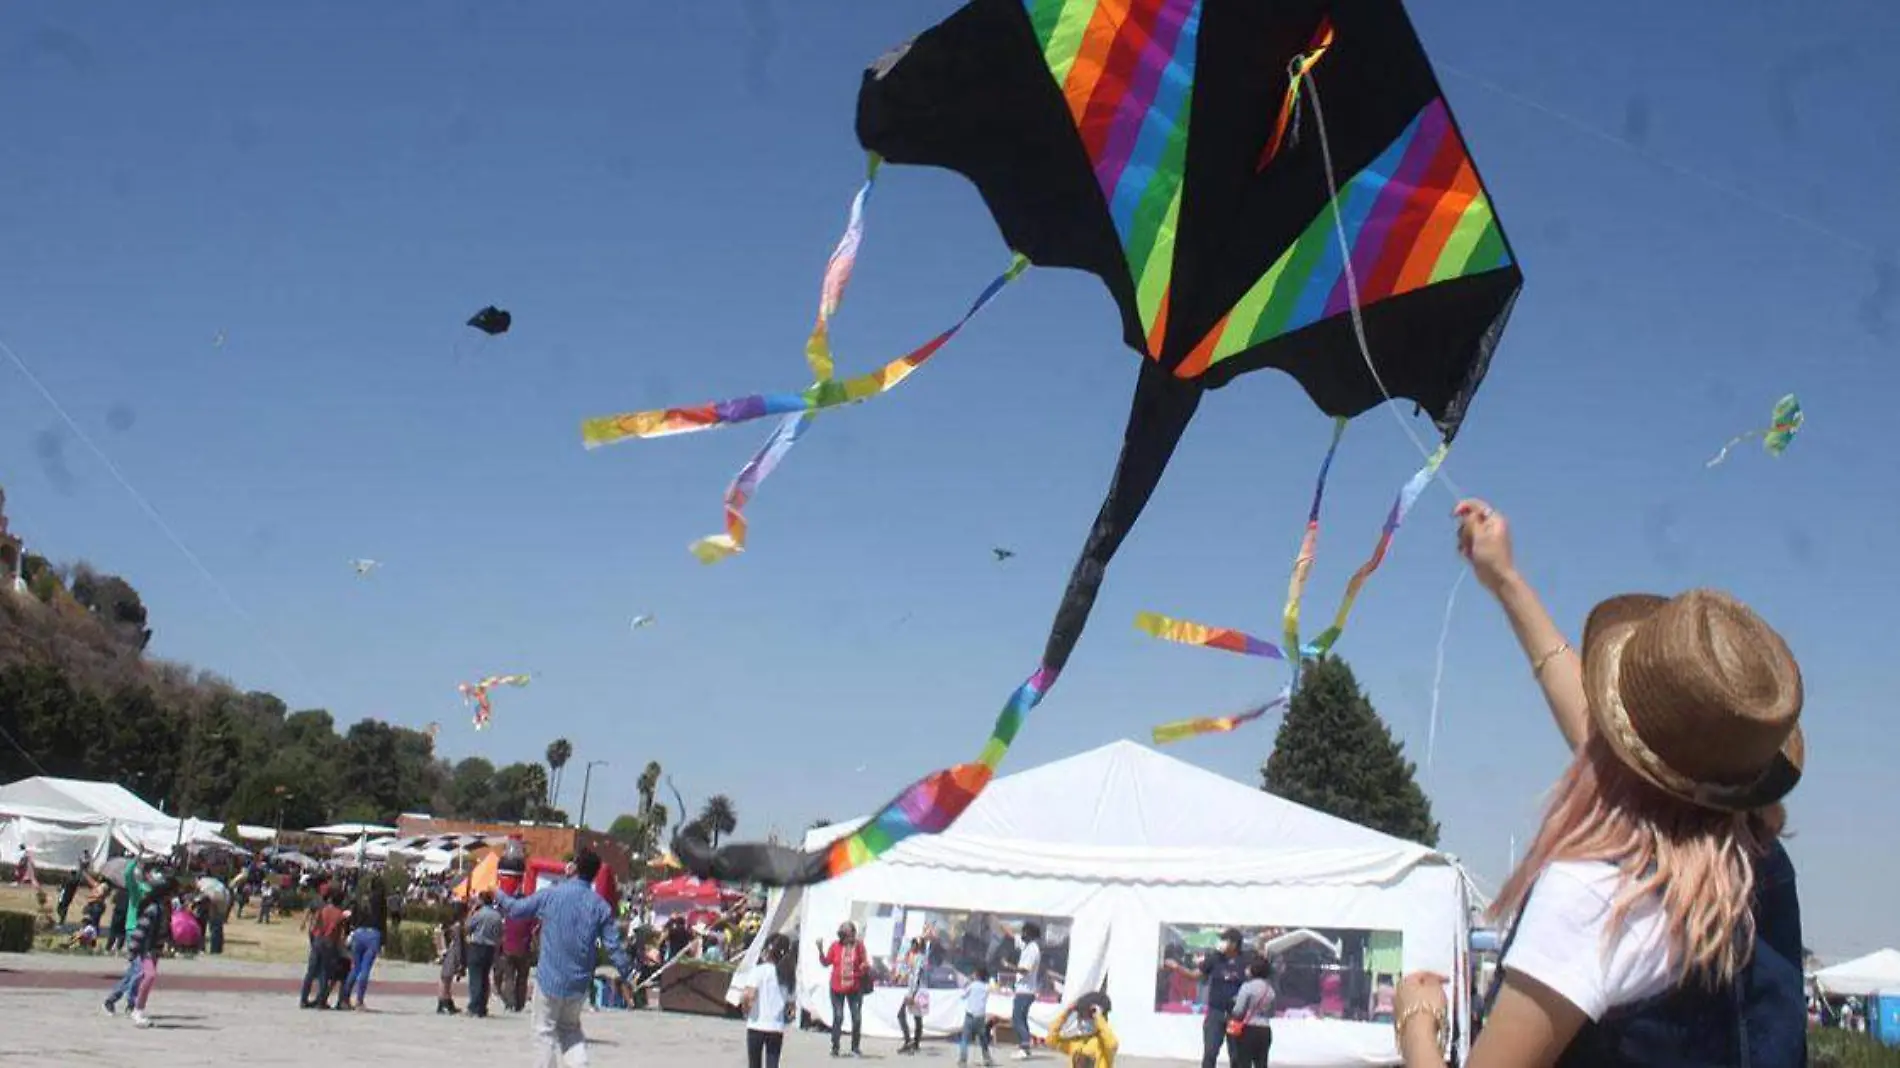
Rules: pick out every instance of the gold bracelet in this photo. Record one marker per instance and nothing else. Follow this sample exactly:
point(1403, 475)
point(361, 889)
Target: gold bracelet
point(1438, 1023)
point(1542, 662)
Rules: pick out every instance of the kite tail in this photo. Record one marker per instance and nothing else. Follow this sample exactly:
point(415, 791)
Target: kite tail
point(818, 397)
point(1732, 442)
point(1408, 496)
point(844, 259)
point(1309, 546)
point(1163, 407)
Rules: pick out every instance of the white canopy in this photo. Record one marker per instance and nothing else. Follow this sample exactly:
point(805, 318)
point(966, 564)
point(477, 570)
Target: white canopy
point(1874, 973)
point(352, 830)
point(58, 818)
point(1126, 856)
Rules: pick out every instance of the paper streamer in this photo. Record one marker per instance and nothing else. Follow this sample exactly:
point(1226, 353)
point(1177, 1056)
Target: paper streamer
point(1181, 730)
point(1408, 496)
point(1309, 547)
point(1187, 632)
point(818, 355)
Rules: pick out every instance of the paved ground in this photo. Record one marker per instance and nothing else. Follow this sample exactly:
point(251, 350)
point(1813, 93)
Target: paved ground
point(224, 1012)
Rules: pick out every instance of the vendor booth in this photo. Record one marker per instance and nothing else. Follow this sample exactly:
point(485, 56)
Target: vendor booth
point(1130, 862)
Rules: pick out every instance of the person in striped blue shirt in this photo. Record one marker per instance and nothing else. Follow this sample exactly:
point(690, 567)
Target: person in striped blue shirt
point(574, 920)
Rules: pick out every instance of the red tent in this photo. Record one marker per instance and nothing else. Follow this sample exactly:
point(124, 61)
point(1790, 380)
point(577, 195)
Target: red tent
point(686, 890)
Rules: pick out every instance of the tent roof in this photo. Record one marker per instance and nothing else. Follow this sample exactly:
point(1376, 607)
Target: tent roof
point(1871, 974)
point(103, 799)
point(1113, 812)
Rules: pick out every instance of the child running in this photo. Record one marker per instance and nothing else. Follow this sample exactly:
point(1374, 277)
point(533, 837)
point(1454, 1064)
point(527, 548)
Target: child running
point(976, 1018)
point(142, 949)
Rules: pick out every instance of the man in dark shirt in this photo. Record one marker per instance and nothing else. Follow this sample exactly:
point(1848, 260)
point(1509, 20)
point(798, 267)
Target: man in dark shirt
point(1223, 972)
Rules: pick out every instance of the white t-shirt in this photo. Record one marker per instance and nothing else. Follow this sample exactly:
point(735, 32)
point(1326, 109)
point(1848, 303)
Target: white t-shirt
point(1029, 968)
point(768, 999)
point(1559, 940)
point(976, 998)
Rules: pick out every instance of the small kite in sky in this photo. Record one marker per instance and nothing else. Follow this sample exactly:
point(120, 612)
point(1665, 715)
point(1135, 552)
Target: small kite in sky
point(218, 342)
point(1003, 554)
point(476, 694)
point(491, 321)
point(1783, 424)
point(432, 730)
point(364, 567)
point(641, 621)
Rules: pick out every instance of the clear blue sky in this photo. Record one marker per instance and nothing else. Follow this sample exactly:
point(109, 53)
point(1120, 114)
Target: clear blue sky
point(652, 190)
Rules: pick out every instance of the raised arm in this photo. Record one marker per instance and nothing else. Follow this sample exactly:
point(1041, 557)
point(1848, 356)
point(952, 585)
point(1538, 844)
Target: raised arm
point(1484, 537)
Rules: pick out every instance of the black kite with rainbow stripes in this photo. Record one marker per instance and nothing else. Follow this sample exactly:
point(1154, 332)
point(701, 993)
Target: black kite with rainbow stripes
point(1260, 183)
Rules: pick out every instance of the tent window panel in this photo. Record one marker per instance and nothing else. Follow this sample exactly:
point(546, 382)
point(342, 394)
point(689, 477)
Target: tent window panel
point(955, 942)
point(1318, 972)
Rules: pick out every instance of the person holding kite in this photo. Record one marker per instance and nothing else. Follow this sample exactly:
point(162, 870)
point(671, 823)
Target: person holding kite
point(1655, 918)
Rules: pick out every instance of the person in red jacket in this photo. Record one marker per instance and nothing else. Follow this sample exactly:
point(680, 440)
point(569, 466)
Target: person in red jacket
point(850, 968)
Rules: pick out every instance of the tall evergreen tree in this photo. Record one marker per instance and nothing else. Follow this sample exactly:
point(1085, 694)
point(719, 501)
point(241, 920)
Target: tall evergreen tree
point(1335, 754)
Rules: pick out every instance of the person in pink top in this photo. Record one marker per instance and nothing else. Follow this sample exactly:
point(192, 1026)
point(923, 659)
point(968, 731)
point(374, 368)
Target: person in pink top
point(850, 968)
point(517, 958)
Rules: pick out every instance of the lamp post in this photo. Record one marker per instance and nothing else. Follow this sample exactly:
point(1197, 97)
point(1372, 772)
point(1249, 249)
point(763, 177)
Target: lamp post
point(587, 779)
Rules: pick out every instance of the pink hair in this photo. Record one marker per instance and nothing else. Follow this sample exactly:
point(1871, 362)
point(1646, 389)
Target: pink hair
point(1699, 862)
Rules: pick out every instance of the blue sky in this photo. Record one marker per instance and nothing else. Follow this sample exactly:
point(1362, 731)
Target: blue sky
point(1701, 197)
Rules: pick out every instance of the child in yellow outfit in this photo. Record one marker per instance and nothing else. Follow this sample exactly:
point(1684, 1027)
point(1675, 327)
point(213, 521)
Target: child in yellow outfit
point(1096, 1045)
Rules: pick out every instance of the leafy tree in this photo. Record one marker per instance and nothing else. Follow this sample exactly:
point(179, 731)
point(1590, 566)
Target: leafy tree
point(718, 818)
point(472, 789)
point(1335, 754)
point(627, 829)
point(113, 601)
point(560, 751)
point(647, 784)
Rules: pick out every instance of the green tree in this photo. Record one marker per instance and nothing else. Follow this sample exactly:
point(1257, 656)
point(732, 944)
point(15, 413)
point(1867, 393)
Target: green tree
point(114, 602)
point(627, 829)
point(472, 789)
point(520, 793)
point(718, 818)
point(1333, 753)
point(560, 751)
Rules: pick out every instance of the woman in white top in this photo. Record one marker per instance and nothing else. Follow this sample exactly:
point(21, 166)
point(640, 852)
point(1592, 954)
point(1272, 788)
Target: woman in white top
point(1656, 920)
point(768, 1002)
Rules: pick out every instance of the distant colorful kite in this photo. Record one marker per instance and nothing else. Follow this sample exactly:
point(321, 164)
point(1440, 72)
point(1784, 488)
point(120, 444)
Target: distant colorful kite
point(1783, 424)
point(476, 694)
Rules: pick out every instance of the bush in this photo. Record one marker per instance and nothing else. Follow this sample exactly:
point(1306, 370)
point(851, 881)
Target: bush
point(412, 943)
point(16, 932)
point(1845, 1049)
point(425, 914)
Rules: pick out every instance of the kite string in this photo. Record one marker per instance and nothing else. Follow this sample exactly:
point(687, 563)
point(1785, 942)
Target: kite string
point(1311, 84)
point(152, 513)
point(1438, 669)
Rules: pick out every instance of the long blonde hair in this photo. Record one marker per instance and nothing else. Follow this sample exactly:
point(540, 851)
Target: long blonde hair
point(1698, 862)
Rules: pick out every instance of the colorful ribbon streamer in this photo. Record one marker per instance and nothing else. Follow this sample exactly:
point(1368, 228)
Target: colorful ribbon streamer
point(933, 803)
point(1309, 547)
point(608, 430)
point(1182, 730)
point(1297, 70)
point(844, 258)
point(1187, 632)
point(1408, 496)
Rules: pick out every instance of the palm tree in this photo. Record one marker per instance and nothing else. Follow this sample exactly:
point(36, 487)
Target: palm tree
point(648, 783)
point(560, 751)
point(718, 817)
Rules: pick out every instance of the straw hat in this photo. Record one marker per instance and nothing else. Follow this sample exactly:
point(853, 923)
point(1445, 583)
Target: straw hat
point(1697, 695)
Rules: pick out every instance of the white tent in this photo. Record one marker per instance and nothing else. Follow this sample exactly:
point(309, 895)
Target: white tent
point(1126, 857)
point(1877, 972)
point(94, 812)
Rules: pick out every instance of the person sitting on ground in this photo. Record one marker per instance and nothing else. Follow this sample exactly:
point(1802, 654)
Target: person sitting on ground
point(1094, 1044)
point(1656, 916)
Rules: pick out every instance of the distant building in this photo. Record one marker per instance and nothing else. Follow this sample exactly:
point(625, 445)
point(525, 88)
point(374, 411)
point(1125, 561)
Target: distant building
point(542, 840)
